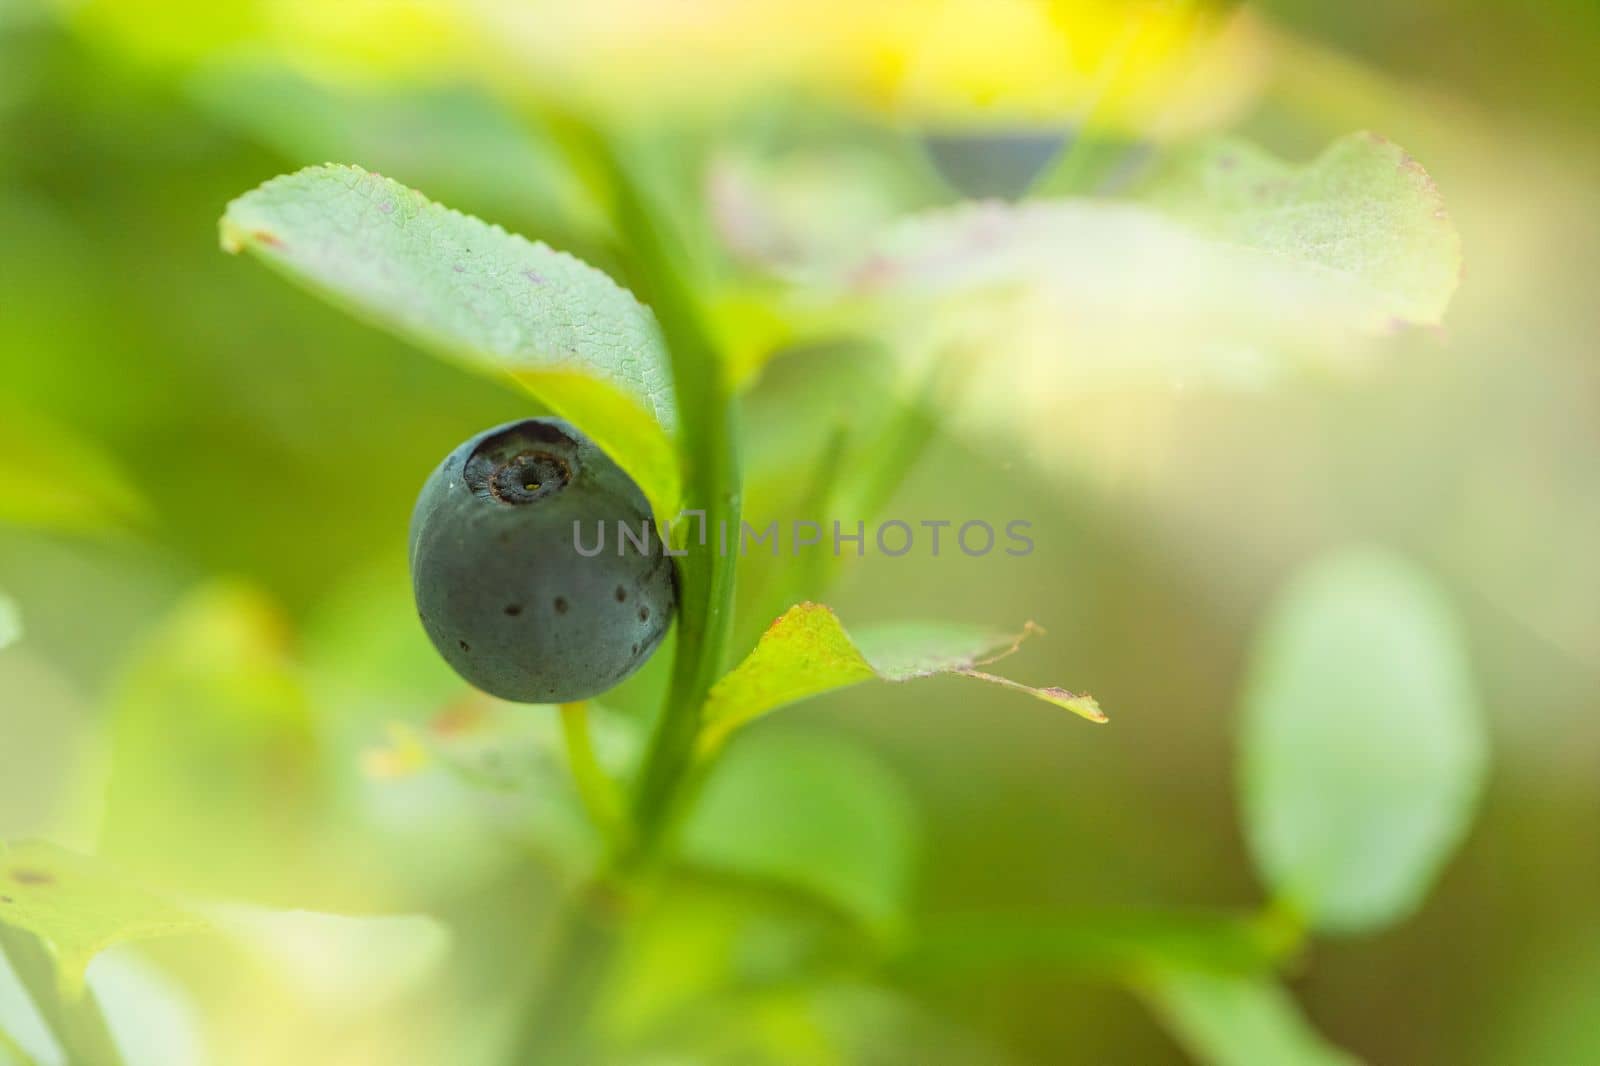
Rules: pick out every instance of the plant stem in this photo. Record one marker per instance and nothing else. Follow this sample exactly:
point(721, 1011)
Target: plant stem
point(711, 485)
point(556, 1029)
point(596, 789)
point(76, 1021)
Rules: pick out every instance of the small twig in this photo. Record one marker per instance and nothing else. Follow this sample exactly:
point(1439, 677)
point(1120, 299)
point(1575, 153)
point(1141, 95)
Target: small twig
point(599, 793)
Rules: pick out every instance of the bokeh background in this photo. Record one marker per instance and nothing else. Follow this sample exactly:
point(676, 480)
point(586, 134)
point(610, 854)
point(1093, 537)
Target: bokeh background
point(207, 478)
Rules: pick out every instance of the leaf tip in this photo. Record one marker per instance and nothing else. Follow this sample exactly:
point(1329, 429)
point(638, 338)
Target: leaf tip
point(1079, 703)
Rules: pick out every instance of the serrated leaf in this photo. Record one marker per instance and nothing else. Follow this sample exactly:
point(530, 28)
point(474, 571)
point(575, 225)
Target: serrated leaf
point(475, 293)
point(1238, 1021)
point(79, 907)
point(1363, 210)
point(813, 813)
point(807, 652)
point(1363, 751)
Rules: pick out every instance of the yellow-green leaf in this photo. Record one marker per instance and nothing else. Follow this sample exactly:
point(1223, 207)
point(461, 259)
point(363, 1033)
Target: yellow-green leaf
point(79, 907)
point(53, 477)
point(1238, 1021)
point(807, 652)
point(474, 293)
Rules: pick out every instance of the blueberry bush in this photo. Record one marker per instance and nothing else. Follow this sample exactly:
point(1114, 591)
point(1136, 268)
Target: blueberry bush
point(751, 303)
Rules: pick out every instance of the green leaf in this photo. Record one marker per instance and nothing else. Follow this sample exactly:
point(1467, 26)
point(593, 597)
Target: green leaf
point(48, 786)
point(218, 783)
point(1236, 267)
point(340, 962)
point(1363, 211)
point(79, 907)
point(446, 772)
point(704, 947)
point(812, 813)
point(1238, 1021)
point(434, 136)
point(1122, 944)
point(807, 652)
point(54, 477)
point(473, 292)
point(1363, 751)
point(1548, 1011)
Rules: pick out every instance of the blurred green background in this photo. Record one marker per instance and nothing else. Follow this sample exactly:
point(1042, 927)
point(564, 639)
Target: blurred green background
point(207, 479)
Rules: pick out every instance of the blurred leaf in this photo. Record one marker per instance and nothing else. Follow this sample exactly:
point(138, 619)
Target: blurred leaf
point(47, 779)
point(812, 813)
point(1103, 944)
point(54, 477)
point(1548, 1013)
point(150, 1014)
point(1363, 210)
point(807, 652)
point(824, 1020)
point(474, 292)
point(410, 39)
point(10, 621)
point(515, 770)
point(448, 788)
point(341, 962)
point(12, 1053)
point(1215, 281)
point(79, 907)
point(216, 782)
point(782, 212)
point(1363, 752)
point(1238, 1021)
point(704, 948)
point(1149, 67)
point(456, 140)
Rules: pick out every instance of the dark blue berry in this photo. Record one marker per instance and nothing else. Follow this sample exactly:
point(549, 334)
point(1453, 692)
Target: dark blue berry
point(502, 588)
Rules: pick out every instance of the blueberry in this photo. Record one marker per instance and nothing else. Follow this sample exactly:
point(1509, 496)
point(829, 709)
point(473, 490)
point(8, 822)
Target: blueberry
point(502, 589)
point(994, 164)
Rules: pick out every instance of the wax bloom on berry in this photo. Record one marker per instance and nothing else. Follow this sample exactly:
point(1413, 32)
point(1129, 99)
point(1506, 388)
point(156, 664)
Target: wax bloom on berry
point(502, 589)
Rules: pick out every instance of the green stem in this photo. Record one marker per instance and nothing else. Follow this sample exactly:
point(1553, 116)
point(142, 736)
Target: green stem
point(76, 1021)
point(596, 789)
point(556, 1028)
point(711, 486)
